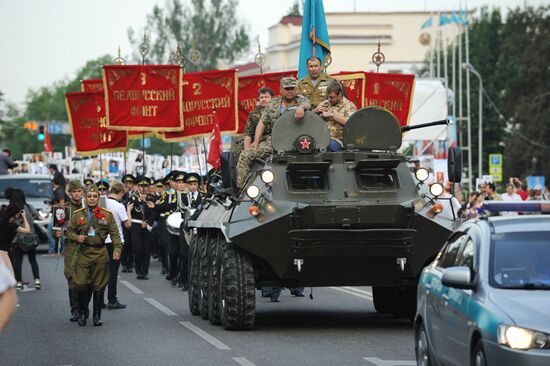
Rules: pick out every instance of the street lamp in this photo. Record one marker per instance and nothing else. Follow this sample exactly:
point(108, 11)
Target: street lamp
point(470, 68)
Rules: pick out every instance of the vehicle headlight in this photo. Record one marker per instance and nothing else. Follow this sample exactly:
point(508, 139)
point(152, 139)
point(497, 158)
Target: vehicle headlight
point(436, 189)
point(253, 191)
point(521, 338)
point(422, 174)
point(267, 176)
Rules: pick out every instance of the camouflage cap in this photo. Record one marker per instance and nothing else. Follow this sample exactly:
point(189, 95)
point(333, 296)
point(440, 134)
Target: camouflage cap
point(289, 82)
point(75, 184)
point(92, 188)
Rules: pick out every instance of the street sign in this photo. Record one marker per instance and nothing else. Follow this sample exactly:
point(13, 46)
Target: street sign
point(495, 167)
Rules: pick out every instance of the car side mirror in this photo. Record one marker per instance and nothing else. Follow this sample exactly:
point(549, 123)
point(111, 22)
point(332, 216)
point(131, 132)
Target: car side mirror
point(458, 277)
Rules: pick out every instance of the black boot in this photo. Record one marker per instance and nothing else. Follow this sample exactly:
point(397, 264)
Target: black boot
point(82, 296)
point(98, 302)
point(89, 293)
point(73, 300)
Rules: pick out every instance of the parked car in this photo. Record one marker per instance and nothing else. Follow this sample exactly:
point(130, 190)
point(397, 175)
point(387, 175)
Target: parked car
point(485, 300)
point(37, 189)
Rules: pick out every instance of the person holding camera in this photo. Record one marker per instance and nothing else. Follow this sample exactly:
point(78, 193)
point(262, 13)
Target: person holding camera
point(9, 228)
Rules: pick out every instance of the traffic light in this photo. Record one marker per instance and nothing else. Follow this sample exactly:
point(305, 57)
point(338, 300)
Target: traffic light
point(41, 133)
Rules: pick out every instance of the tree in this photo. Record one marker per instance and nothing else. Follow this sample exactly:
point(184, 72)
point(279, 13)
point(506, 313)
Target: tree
point(211, 26)
point(295, 9)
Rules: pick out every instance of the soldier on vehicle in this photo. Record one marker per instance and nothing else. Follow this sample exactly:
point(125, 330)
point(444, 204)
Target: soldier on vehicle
point(336, 111)
point(261, 147)
point(264, 97)
point(89, 227)
point(314, 85)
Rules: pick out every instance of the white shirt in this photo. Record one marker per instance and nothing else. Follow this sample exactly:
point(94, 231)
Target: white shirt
point(120, 214)
point(7, 280)
point(514, 197)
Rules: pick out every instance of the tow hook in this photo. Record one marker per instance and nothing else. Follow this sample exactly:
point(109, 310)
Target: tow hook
point(400, 261)
point(299, 263)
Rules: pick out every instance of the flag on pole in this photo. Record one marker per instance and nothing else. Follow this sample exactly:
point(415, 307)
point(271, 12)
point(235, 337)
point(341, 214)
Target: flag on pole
point(314, 40)
point(427, 23)
point(215, 152)
point(444, 20)
point(47, 141)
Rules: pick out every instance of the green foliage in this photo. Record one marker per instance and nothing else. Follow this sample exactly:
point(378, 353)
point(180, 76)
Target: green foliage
point(295, 9)
point(511, 55)
point(212, 26)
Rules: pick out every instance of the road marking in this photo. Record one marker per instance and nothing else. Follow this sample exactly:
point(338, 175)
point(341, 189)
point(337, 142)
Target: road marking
point(364, 292)
point(350, 291)
point(207, 337)
point(379, 362)
point(243, 361)
point(132, 288)
point(159, 306)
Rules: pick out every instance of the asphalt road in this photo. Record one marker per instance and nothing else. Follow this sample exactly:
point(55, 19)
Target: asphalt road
point(338, 327)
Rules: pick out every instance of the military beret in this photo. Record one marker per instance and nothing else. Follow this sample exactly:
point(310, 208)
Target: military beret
point(75, 184)
point(92, 188)
point(192, 177)
point(88, 181)
point(143, 181)
point(289, 82)
point(102, 185)
point(128, 178)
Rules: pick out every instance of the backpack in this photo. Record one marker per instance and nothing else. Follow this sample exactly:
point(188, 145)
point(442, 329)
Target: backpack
point(28, 242)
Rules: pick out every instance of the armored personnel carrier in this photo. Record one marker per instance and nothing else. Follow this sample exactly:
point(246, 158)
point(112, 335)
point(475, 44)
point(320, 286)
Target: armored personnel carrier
point(311, 218)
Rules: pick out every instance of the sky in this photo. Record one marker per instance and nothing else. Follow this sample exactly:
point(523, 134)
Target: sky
point(43, 41)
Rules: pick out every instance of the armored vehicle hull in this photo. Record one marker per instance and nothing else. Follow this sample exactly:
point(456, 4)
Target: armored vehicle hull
point(358, 217)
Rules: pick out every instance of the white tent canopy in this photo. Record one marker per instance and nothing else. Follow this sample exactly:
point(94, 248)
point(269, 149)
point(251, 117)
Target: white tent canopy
point(429, 104)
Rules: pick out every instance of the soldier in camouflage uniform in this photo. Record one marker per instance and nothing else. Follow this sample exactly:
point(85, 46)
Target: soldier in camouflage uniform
point(261, 147)
point(89, 228)
point(242, 142)
point(336, 111)
point(75, 203)
point(314, 85)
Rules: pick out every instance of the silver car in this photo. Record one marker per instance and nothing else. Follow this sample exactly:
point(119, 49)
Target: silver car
point(485, 299)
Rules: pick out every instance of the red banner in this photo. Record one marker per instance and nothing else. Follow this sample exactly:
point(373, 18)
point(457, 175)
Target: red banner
point(248, 91)
point(204, 92)
point(354, 83)
point(86, 112)
point(92, 85)
point(391, 91)
point(143, 97)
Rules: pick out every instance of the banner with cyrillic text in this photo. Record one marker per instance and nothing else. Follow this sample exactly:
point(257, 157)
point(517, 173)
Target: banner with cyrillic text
point(204, 92)
point(92, 85)
point(86, 113)
point(248, 91)
point(391, 91)
point(143, 97)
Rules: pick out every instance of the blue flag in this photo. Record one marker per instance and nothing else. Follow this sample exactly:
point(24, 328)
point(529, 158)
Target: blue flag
point(314, 26)
point(427, 23)
point(444, 20)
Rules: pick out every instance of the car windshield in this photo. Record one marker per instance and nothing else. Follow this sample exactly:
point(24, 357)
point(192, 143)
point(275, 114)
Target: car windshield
point(33, 188)
point(520, 260)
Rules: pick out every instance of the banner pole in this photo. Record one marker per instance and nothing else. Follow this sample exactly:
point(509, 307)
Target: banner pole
point(197, 153)
point(100, 168)
point(143, 151)
point(205, 156)
point(171, 153)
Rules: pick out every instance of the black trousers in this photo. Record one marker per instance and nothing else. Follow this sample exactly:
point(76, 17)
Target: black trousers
point(113, 275)
point(141, 242)
point(164, 240)
point(18, 255)
point(127, 255)
point(173, 251)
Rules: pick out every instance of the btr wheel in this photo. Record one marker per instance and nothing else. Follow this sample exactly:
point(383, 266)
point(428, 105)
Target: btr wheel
point(204, 273)
point(193, 274)
point(422, 348)
point(237, 293)
point(478, 355)
point(382, 299)
point(215, 250)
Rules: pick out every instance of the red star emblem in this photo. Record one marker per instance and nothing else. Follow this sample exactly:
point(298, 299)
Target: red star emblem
point(305, 143)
